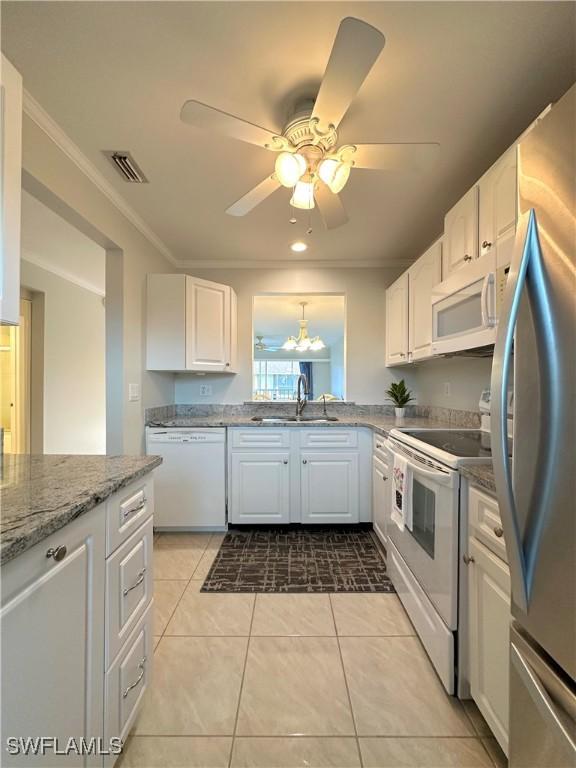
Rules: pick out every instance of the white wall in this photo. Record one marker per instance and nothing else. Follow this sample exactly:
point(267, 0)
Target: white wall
point(364, 289)
point(50, 170)
point(337, 378)
point(321, 378)
point(74, 363)
point(466, 376)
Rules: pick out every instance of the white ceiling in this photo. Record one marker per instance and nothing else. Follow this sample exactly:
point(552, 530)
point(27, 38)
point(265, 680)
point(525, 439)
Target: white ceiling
point(53, 244)
point(277, 317)
point(114, 75)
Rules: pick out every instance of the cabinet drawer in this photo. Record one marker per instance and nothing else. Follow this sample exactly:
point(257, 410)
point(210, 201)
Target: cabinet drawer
point(484, 521)
point(378, 448)
point(328, 438)
point(127, 510)
point(127, 680)
point(260, 437)
point(128, 587)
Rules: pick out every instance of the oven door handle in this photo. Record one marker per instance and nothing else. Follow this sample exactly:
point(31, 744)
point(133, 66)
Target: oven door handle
point(439, 475)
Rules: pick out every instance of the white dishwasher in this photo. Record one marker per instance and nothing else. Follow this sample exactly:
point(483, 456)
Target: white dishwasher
point(190, 484)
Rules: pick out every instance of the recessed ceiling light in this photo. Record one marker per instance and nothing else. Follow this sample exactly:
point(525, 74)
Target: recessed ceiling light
point(298, 247)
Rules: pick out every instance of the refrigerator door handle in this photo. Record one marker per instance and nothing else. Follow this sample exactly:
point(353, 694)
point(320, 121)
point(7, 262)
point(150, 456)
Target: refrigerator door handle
point(539, 695)
point(499, 386)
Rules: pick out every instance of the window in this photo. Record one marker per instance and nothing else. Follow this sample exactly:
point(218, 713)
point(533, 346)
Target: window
point(275, 379)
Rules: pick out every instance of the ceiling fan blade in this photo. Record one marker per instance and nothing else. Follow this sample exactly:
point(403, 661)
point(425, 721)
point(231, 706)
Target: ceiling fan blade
point(254, 197)
point(211, 119)
point(331, 209)
point(356, 48)
point(396, 157)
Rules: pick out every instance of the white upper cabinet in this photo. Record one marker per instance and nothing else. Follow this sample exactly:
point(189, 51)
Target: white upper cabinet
point(397, 322)
point(423, 275)
point(10, 191)
point(461, 233)
point(498, 196)
point(191, 325)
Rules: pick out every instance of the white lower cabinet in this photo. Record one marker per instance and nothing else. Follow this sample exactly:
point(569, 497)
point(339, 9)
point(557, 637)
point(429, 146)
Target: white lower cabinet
point(380, 497)
point(293, 475)
point(489, 628)
point(329, 487)
point(260, 487)
point(76, 633)
point(53, 641)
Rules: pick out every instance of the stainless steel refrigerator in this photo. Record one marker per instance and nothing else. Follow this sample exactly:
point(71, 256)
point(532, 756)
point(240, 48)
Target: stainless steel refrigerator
point(537, 489)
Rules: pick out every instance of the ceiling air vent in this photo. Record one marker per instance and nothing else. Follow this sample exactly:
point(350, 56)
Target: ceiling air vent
point(126, 166)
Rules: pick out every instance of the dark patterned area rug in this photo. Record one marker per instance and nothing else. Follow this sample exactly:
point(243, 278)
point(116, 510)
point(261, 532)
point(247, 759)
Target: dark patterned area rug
point(298, 560)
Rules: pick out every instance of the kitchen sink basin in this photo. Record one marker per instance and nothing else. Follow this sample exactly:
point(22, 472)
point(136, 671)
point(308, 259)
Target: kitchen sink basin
point(298, 419)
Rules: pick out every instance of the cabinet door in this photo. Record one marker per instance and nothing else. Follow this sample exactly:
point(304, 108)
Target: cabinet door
point(260, 487)
point(207, 326)
point(380, 497)
point(329, 487)
point(498, 195)
point(461, 233)
point(489, 596)
point(10, 191)
point(423, 276)
point(166, 323)
point(397, 322)
point(53, 641)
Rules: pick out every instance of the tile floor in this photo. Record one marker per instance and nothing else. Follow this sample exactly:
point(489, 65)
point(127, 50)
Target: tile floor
point(280, 681)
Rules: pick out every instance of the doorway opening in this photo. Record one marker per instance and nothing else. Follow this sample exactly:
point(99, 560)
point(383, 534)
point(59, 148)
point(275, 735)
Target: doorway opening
point(15, 365)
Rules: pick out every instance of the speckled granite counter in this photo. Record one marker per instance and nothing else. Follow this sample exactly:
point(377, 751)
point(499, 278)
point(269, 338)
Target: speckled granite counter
point(379, 424)
point(41, 494)
point(481, 475)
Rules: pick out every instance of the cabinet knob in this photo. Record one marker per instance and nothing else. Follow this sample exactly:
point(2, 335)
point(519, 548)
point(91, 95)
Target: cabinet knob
point(304, 461)
point(468, 559)
point(378, 445)
point(58, 553)
point(486, 244)
point(498, 531)
point(467, 257)
point(227, 365)
point(285, 461)
point(384, 478)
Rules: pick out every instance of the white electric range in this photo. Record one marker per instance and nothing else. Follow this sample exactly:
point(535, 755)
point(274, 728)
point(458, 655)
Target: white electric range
point(424, 559)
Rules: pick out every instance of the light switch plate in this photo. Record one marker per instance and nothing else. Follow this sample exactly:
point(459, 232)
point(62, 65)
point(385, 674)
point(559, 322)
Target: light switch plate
point(133, 392)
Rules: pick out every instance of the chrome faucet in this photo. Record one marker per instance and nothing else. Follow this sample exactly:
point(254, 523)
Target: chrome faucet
point(301, 401)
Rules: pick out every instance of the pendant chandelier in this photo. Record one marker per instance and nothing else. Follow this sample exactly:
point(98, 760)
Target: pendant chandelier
point(303, 343)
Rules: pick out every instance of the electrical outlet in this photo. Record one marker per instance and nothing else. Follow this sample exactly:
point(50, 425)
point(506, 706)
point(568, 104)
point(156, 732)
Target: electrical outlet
point(447, 389)
point(205, 390)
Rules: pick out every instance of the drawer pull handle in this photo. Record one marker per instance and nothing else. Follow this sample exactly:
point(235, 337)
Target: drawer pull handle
point(133, 510)
point(138, 679)
point(137, 583)
point(58, 553)
point(498, 531)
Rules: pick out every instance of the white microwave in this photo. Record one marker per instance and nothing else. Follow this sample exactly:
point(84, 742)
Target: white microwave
point(464, 308)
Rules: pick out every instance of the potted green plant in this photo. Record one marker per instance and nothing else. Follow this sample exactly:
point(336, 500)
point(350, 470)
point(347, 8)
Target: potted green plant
point(400, 395)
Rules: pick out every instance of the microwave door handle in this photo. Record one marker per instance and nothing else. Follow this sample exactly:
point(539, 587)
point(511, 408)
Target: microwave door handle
point(487, 319)
point(499, 386)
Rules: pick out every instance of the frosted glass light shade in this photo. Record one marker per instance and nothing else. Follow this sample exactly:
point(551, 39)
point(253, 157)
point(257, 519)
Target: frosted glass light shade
point(289, 168)
point(334, 173)
point(303, 196)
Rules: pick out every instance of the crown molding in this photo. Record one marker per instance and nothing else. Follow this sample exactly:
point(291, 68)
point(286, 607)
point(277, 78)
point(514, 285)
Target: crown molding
point(38, 114)
point(38, 261)
point(293, 264)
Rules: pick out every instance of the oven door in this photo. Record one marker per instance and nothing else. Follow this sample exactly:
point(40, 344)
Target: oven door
point(430, 549)
point(464, 310)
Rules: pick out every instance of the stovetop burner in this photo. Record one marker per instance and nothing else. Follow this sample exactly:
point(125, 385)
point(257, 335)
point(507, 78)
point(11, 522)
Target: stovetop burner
point(463, 443)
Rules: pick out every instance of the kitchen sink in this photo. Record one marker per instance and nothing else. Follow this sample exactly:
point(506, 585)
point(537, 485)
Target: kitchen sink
point(304, 419)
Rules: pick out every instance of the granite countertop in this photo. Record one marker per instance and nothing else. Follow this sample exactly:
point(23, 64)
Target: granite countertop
point(41, 494)
point(481, 475)
point(379, 424)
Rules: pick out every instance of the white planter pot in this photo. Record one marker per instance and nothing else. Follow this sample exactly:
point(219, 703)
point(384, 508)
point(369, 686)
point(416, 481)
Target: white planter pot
point(399, 412)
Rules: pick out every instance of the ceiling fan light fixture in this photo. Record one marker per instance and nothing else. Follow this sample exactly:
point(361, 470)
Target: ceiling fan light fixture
point(303, 195)
point(334, 174)
point(290, 167)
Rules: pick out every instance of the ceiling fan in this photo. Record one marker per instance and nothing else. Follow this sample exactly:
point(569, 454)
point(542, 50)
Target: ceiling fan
point(309, 159)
